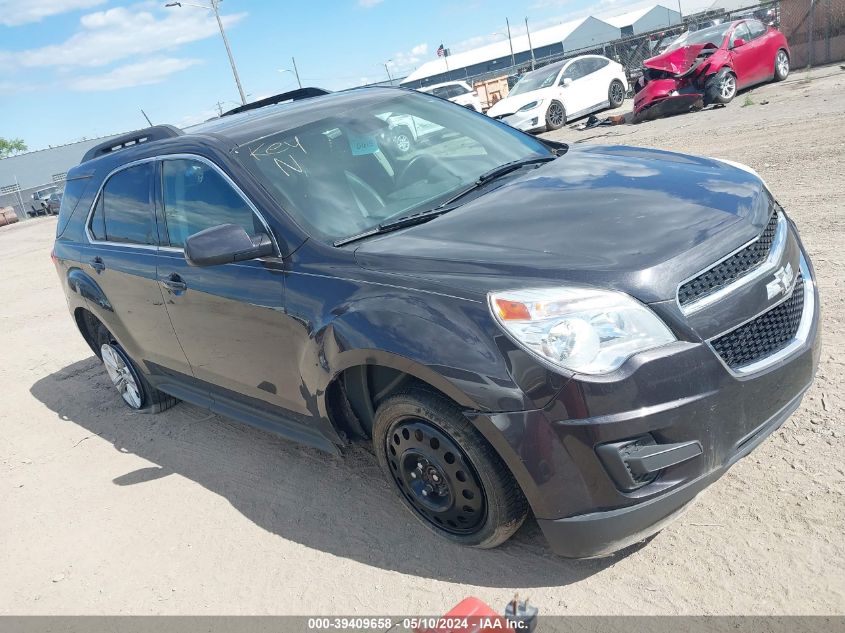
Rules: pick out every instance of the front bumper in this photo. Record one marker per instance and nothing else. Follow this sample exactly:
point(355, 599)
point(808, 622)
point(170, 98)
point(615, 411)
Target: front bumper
point(530, 121)
point(679, 394)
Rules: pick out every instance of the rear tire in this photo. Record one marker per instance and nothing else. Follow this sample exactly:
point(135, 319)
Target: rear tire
point(721, 87)
point(616, 94)
point(135, 390)
point(555, 116)
point(445, 472)
point(781, 65)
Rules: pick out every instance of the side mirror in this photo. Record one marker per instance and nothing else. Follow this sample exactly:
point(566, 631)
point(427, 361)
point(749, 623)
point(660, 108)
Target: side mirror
point(738, 42)
point(224, 244)
point(566, 81)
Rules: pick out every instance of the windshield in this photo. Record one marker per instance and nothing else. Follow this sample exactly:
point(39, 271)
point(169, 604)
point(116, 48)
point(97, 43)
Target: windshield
point(384, 155)
point(714, 35)
point(542, 78)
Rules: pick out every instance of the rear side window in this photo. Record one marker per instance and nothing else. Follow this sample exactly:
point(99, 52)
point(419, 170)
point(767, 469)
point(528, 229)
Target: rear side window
point(442, 92)
point(73, 192)
point(197, 197)
point(124, 211)
point(458, 90)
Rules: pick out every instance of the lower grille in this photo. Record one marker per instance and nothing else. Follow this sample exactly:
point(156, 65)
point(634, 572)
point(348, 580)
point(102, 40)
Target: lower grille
point(765, 335)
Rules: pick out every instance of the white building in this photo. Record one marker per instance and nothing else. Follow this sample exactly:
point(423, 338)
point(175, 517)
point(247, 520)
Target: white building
point(644, 20)
point(552, 41)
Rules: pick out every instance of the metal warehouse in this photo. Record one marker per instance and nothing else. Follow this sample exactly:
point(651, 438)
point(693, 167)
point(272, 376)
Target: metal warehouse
point(551, 42)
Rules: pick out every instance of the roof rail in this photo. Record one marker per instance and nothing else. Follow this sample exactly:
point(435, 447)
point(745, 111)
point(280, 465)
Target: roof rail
point(154, 133)
point(293, 95)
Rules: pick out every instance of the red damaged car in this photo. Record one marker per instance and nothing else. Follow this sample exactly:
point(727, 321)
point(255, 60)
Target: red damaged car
point(710, 65)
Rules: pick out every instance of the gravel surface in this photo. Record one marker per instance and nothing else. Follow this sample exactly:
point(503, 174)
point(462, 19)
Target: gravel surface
point(106, 511)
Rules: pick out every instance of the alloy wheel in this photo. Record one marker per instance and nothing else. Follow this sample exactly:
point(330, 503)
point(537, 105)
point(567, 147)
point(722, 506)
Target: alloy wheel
point(555, 114)
point(121, 375)
point(435, 476)
point(617, 95)
point(727, 89)
point(782, 63)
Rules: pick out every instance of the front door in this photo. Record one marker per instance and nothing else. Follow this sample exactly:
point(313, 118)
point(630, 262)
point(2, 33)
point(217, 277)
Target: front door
point(576, 95)
point(743, 56)
point(229, 319)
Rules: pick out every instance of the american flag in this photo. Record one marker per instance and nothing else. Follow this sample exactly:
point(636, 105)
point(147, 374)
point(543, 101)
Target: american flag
point(442, 51)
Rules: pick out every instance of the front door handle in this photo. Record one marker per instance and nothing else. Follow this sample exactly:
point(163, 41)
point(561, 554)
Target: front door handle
point(174, 283)
point(98, 265)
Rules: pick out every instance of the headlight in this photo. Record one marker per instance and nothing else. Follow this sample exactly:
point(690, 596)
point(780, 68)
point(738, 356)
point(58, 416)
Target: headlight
point(530, 106)
point(581, 329)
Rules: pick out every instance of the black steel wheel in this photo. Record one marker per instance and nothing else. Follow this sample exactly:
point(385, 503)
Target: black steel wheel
point(445, 472)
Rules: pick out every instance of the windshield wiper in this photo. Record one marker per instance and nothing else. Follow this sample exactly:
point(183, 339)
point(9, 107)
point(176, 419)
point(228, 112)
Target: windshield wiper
point(395, 225)
point(448, 205)
point(498, 172)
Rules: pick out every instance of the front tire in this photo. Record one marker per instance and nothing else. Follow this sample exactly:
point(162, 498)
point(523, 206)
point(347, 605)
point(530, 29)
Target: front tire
point(555, 116)
point(445, 472)
point(616, 93)
point(721, 87)
point(781, 65)
point(403, 141)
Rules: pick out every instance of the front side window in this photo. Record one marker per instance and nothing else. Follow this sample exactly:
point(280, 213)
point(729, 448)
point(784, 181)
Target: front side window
point(124, 212)
point(197, 197)
point(740, 32)
point(712, 36)
point(372, 156)
point(575, 70)
point(756, 28)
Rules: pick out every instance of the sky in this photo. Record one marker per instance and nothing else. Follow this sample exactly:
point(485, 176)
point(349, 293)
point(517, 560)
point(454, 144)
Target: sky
point(74, 69)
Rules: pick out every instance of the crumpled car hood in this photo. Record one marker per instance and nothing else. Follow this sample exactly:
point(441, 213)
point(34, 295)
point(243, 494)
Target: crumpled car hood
point(677, 61)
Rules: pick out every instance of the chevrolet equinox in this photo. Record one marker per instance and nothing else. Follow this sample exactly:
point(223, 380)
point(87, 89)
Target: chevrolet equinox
point(593, 334)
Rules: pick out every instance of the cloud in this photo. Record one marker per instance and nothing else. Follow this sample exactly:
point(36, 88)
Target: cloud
point(17, 12)
point(120, 33)
point(406, 60)
point(369, 4)
point(151, 71)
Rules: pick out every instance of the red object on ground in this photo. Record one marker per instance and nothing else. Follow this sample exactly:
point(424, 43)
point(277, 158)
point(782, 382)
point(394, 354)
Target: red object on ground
point(471, 615)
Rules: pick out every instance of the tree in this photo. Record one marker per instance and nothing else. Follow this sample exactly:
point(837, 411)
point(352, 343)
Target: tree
point(11, 146)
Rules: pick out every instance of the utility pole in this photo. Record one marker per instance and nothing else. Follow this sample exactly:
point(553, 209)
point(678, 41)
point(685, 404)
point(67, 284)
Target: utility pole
point(531, 48)
point(215, 7)
point(296, 70)
point(387, 70)
point(510, 41)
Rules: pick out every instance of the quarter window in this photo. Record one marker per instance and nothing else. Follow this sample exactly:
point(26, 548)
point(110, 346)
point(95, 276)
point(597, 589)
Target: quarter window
point(197, 197)
point(123, 212)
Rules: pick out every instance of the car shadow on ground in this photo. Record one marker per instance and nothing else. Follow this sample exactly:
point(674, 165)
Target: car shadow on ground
point(337, 504)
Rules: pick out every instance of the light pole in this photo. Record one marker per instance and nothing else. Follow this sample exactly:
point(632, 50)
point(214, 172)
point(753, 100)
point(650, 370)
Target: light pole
point(295, 71)
point(510, 41)
point(387, 70)
point(214, 6)
point(531, 48)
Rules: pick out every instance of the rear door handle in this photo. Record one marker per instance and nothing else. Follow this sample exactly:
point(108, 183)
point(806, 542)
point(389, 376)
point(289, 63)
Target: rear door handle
point(174, 283)
point(97, 264)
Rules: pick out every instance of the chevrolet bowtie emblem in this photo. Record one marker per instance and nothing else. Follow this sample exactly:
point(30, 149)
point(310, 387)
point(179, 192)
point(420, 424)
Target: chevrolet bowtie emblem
point(782, 282)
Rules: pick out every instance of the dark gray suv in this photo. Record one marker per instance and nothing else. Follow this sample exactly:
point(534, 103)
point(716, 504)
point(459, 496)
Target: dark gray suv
point(590, 334)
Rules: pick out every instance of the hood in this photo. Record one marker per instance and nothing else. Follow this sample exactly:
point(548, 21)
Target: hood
point(623, 218)
point(676, 61)
point(512, 103)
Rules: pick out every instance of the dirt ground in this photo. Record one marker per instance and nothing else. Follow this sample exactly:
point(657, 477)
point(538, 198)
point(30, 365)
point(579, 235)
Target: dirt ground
point(107, 512)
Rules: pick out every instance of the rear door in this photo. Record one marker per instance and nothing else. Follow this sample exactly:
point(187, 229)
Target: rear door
point(230, 319)
point(120, 257)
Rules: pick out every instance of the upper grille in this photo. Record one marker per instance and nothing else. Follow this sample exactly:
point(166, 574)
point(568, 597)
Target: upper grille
point(732, 268)
point(765, 335)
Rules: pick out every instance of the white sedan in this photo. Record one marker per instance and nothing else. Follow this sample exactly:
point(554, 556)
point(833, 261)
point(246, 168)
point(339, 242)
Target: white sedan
point(545, 99)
